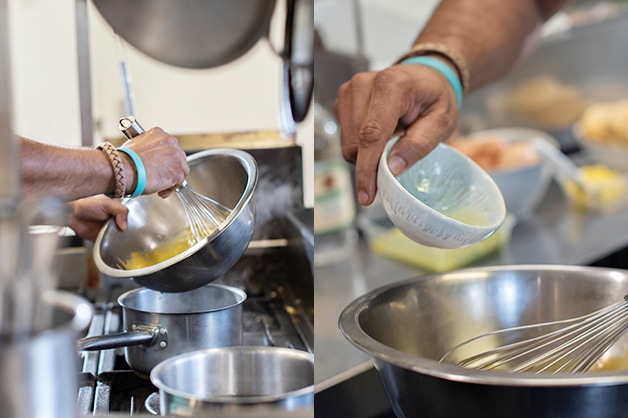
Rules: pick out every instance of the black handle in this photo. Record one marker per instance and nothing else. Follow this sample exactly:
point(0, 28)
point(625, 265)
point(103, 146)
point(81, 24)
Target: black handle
point(121, 339)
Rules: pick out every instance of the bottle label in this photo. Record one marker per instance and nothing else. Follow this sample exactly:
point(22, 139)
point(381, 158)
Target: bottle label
point(334, 208)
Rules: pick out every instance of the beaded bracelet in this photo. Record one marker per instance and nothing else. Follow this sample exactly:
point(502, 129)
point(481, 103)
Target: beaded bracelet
point(139, 169)
point(118, 169)
point(447, 52)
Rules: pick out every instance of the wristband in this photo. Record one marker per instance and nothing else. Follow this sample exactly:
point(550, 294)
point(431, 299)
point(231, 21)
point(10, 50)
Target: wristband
point(448, 53)
point(441, 67)
point(139, 169)
point(118, 170)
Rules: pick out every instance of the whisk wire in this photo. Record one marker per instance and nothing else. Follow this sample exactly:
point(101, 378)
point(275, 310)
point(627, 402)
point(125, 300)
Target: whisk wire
point(204, 214)
point(573, 348)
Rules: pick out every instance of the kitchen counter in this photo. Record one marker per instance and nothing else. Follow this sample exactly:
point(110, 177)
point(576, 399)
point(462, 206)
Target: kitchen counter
point(557, 234)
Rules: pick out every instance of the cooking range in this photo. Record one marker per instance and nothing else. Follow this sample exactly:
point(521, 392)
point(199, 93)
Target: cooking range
point(275, 273)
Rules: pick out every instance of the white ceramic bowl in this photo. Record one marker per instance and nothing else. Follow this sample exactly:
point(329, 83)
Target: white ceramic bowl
point(445, 200)
point(524, 187)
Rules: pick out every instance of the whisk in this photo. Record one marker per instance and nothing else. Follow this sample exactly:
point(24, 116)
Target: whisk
point(572, 346)
point(204, 213)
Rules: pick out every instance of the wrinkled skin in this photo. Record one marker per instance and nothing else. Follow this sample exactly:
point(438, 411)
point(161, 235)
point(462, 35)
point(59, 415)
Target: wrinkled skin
point(410, 100)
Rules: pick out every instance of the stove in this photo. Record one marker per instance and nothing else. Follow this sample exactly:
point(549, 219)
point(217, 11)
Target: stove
point(275, 272)
point(277, 312)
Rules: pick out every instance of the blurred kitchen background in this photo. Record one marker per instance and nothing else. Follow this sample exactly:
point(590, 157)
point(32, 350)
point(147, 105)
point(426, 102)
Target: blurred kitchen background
point(240, 96)
point(580, 64)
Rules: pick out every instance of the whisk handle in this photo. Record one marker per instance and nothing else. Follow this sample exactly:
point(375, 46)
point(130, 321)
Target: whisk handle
point(130, 127)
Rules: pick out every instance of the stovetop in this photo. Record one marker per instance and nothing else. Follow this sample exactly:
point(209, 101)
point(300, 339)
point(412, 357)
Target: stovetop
point(277, 312)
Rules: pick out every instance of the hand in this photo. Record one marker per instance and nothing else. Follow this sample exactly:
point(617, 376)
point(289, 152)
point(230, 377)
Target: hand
point(412, 100)
point(164, 159)
point(87, 216)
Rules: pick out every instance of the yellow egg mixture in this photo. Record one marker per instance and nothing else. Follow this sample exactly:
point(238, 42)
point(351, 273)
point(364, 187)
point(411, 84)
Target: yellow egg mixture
point(603, 188)
point(168, 249)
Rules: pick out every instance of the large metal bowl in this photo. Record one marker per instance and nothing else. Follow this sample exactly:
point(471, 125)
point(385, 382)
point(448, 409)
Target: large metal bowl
point(228, 176)
point(406, 327)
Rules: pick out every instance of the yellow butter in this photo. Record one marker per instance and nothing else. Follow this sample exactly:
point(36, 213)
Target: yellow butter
point(604, 187)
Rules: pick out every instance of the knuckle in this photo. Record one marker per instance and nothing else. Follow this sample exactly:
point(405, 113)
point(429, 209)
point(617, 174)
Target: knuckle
point(443, 122)
point(370, 133)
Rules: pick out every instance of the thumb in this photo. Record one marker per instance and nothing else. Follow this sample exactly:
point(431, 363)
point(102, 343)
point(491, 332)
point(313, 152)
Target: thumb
point(121, 220)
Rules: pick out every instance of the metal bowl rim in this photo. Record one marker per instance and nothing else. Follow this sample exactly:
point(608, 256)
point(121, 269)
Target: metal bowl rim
point(239, 293)
point(283, 351)
point(251, 168)
point(349, 326)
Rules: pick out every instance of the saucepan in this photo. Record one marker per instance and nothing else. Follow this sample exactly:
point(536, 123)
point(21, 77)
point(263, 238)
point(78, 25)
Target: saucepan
point(237, 379)
point(159, 325)
point(40, 370)
point(408, 326)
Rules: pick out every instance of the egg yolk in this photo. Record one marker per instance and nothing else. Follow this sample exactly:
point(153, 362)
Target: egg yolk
point(168, 249)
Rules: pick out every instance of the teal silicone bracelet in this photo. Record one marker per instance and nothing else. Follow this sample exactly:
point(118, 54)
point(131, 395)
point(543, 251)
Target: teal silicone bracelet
point(440, 66)
point(139, 169)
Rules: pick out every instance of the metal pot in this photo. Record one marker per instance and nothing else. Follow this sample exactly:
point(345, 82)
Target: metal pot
point(158, 325)
point(192, 33)
point(235, 379)
point(229, 176)
point(408, 326)
point(40, 371)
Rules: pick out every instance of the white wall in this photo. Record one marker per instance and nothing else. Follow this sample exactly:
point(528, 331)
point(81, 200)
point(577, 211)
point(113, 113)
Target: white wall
point(389, 27)
point(242, 95)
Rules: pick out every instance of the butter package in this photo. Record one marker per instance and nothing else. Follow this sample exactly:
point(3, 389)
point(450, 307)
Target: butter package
point(390, 242)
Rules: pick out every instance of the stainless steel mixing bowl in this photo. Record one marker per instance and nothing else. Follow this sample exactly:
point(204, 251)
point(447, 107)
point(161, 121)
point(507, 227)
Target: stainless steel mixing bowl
point(406, 327)
point(228, 176)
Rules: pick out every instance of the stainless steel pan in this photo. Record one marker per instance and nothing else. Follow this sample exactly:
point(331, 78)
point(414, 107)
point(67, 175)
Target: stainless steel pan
point(236, 379)
point(159, 325)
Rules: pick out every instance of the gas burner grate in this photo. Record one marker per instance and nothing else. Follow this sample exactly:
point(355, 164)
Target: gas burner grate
point(108, 385)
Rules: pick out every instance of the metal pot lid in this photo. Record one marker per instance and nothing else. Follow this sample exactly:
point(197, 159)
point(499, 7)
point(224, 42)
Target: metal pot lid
point(190, 33)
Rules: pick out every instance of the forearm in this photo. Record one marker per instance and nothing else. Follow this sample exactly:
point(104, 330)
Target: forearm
point(490, 35)
point(67, 173)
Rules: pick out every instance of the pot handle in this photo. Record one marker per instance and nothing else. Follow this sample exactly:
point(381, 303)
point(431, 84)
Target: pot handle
point(121, 339)
point(298, 65)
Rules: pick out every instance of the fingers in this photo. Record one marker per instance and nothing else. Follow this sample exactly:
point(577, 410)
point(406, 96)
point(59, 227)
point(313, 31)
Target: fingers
point(420, 138)
point(87, 216)
point(164, 159)
point(368, 108)
point(373, 107)
point(350, 109)
point(167, 192)
point(120, 217)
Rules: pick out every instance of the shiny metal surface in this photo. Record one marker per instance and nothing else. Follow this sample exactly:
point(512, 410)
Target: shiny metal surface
point(298, 54)
point(39, 373)
point(572, 345)
point(190, 33)
point(158, 325)
point(407, 326)
point(9, 169)
point(235, 378)
point(227, 175)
